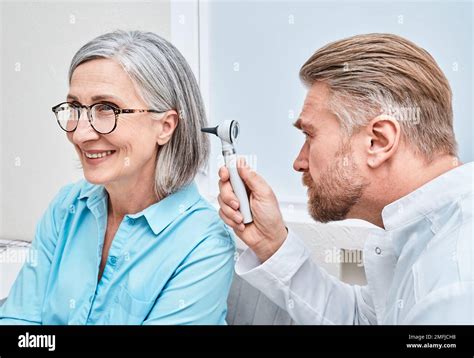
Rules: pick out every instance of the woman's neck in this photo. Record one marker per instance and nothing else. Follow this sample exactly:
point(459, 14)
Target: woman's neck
point(131, 195)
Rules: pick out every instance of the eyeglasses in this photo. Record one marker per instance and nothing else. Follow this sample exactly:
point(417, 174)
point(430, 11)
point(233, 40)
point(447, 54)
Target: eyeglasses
point(102, 116)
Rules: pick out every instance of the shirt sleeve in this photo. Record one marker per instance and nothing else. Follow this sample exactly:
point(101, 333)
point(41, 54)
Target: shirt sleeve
point(197, 292)
point(25, 300)
point(292, 280)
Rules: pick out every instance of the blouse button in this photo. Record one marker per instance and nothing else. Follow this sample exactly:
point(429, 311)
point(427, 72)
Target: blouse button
point(378, 250)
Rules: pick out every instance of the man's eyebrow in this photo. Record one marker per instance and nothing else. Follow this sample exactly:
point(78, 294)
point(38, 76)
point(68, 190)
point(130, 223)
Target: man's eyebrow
point(303, 125)
point(297, 124)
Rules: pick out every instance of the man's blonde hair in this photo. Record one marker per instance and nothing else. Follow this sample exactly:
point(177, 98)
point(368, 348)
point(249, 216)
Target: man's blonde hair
point(383, 73)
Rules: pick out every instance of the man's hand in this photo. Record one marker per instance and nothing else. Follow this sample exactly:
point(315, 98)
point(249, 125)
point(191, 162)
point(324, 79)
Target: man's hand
point(267, 232)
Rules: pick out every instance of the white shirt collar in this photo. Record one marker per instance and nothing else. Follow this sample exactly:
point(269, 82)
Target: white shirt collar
point(429, 197)
point(432, 195)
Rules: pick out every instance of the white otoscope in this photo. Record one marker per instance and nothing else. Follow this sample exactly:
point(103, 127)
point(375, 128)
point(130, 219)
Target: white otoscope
point(228, 131)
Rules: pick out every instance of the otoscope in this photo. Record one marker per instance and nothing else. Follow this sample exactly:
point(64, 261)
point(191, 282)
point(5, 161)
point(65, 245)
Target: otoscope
point(228, 131)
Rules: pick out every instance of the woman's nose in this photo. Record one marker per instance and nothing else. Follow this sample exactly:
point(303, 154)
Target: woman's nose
point(84, 131)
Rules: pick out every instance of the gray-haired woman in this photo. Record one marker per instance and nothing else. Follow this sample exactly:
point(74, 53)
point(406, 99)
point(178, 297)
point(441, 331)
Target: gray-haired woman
point(134, 243)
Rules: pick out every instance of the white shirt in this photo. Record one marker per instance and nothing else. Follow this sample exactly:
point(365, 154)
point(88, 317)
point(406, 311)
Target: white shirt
point(419, 269)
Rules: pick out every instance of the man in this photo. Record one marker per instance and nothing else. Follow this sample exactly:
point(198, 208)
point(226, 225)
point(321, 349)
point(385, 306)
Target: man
point(379, 147)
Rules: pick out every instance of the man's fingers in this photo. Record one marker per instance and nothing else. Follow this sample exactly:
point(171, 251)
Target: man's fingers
point(232, 214)
point(238, 227)
point(227, 195)
point(253, 181)
point(224, 173)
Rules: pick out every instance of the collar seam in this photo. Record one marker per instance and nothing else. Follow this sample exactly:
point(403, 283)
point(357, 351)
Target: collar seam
point(428, 212)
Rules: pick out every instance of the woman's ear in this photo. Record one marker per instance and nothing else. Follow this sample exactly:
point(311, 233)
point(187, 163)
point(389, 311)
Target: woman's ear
point(383, 139)
point(165, 126)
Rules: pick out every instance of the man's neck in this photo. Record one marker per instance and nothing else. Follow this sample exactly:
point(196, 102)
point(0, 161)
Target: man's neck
point(414, 176)
point(403, 178)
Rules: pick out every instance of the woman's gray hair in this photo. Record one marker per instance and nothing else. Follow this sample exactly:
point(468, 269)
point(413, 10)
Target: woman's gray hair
point(165, 81)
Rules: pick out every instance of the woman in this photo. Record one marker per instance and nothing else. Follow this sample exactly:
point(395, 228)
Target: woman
point(133, 243)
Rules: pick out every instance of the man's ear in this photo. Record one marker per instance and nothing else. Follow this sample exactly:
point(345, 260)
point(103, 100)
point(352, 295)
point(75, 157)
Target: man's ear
point(165, 127)
point(383, 139)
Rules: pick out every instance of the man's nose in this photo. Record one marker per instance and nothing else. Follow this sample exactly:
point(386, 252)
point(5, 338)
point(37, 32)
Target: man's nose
point(84, 131)
point(301, 162)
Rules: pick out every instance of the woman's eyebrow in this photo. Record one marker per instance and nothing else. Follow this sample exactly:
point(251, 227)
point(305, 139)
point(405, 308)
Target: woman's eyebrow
point(103, 97)
point(71, 97)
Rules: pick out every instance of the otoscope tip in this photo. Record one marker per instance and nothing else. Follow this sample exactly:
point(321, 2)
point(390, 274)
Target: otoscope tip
point(212, 130)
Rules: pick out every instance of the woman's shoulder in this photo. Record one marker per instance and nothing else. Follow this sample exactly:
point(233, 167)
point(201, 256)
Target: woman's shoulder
point(206, 221)
point(70, 193)
point(191, 217)
point(201, 235)
point(64, 202)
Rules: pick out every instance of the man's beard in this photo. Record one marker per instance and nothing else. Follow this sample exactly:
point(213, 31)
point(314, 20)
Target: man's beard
point(337, 189)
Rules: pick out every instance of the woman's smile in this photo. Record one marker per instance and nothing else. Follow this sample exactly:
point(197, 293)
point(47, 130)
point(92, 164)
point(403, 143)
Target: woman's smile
point(98, 156)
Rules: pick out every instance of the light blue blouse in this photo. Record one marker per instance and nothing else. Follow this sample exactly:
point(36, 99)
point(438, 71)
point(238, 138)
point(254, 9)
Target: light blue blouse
point(172, 263)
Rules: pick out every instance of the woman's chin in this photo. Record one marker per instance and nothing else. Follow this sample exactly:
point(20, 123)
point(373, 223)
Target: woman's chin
point(97, 179)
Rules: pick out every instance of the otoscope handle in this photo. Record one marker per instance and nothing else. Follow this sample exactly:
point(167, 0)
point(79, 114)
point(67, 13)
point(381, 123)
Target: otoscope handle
point(239, 187)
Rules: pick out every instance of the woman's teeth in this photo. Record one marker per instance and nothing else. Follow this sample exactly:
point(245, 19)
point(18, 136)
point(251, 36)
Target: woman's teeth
point(99, 155)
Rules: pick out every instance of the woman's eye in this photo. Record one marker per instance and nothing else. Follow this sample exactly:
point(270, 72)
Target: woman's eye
point(104, 107)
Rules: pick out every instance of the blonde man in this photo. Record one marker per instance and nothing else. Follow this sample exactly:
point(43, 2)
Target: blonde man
point(379, 147)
